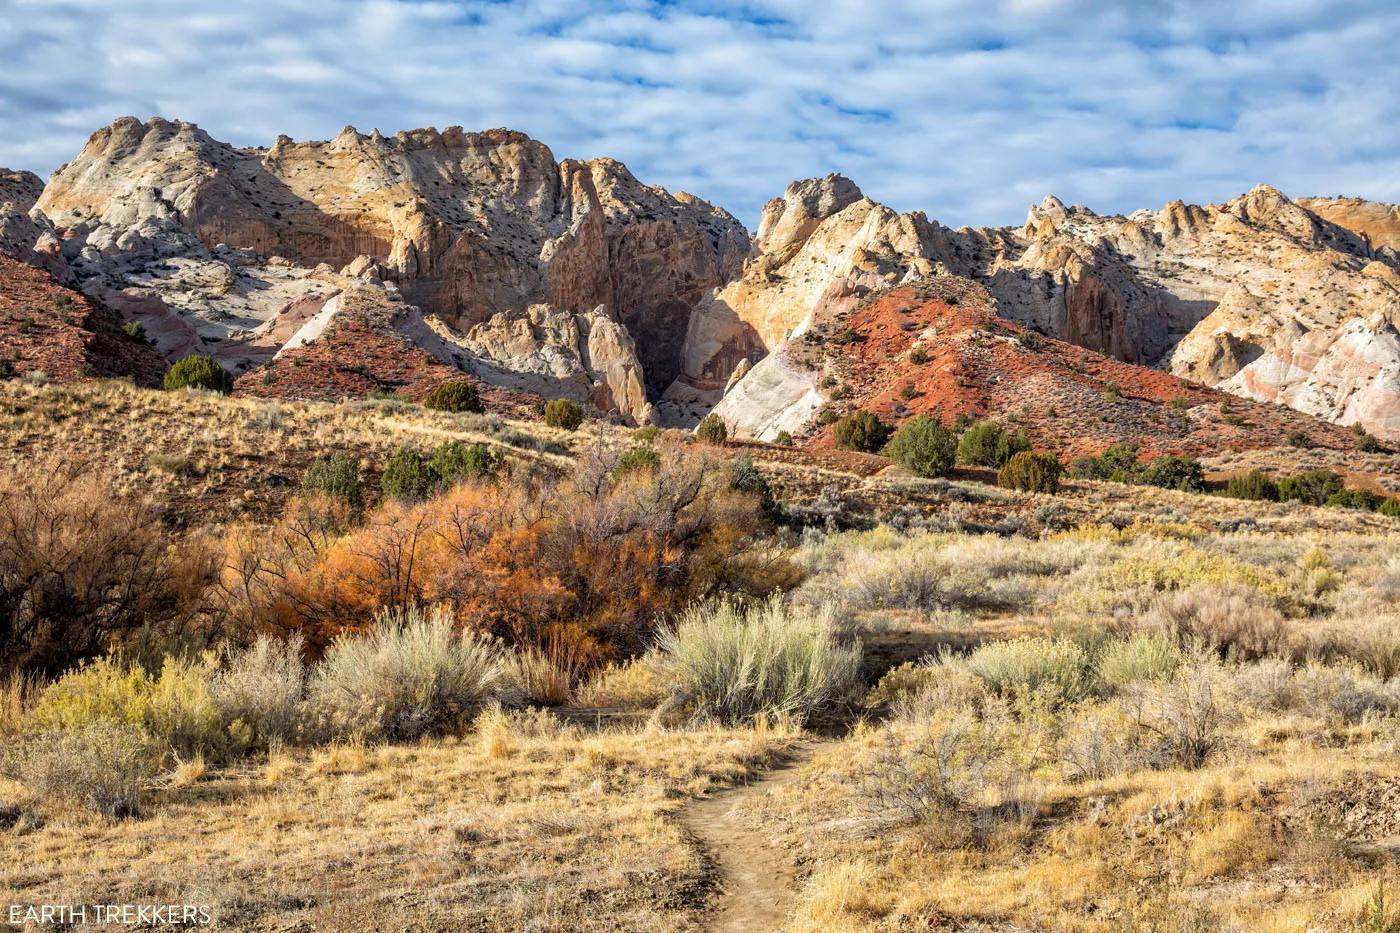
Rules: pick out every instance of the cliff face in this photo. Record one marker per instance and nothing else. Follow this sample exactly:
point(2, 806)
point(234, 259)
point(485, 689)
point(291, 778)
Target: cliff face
point(467, 226)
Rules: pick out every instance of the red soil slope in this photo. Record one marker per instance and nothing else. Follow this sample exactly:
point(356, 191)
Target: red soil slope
point(1068, 399)
point(361, 352)
point(47, 328)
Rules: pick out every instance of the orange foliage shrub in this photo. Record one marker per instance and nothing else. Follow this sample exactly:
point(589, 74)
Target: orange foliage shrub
point(585, 565)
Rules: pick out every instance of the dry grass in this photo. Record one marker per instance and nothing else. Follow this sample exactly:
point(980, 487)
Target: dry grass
point(553, 830)
point(1107, 784)
point(1182, 792)
point(216, 458)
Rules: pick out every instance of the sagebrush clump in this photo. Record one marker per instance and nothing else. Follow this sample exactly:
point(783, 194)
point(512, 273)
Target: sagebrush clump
point(773, 659)
point(411, 675)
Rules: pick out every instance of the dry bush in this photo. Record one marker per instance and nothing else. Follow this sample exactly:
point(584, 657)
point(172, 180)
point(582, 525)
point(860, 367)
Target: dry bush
point(99, 765)
point(1375, 645)
point(1267, 686)
point(1235, 621)
point(917, 775)
point(1098, 742)
point(928, 688)
point(642, 683)
point(261, 689)
point(1057, 668)
point(543, 675)
point(1180, 721)
point(411, 675)
point(769, 660)
point(274, 580)
point(81, 567)
point(961, 767)
point(17, 694)
point(589, 562)
point(1144, 656)
point(1346, 694)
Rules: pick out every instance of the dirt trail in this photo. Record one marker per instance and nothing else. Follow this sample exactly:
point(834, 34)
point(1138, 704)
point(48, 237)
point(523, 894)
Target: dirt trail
point(757, 881)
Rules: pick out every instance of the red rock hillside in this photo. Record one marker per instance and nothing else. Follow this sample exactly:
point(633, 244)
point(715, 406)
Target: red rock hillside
point(937, 347)
point(47, 328)
point(360, 351)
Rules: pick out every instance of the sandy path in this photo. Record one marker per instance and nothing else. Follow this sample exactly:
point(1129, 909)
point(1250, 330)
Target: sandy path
point(757, 881)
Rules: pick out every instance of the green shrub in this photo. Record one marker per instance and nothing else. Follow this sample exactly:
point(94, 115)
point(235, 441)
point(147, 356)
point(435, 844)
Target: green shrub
point(562, 413)
point(1313, 487)
point(1118, 463)
point(862, 431)
point(923, 447)
point(135, 330)
point(769, 660)
point(637, 460)
point(711, 430)
point(1368, 444)
point(102, 766)
point(407, 477)
point(918, 356)
point(988, 444)
point(199, 372)
point(1390, 507)
point(7, 370)
point(1255, 486)
point(1300, 440)
point(647, 435)
point(1029, 472)
point(1362, 499)
point(1057, 668)
point(454, 462)
point(784, 439)
point(744, 477)
point(411, 675)
point(336, 476)
point(457, 397)
point(1172, 472)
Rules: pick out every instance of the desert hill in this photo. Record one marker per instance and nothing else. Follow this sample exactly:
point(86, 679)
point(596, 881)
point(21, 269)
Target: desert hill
point(936, 346)
point(48, 332)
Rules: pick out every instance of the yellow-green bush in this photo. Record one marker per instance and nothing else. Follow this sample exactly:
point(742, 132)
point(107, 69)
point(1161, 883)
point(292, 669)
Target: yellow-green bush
point(176, 709)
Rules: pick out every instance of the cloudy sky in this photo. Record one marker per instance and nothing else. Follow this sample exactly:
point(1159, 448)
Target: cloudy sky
point(966, 109)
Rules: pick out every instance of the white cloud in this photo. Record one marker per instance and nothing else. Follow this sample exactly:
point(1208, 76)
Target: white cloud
point(966, 109)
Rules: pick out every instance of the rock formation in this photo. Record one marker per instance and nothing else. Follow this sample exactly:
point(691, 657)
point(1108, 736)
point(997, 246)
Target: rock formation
point(575, 279)
point(162, 218)
point(1217, 294)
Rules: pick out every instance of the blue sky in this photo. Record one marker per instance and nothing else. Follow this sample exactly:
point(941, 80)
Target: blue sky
point(969, 110)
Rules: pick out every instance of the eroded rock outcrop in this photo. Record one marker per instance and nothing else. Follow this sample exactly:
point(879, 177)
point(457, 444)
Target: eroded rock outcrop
point(467, 225)
point(1257, 296)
